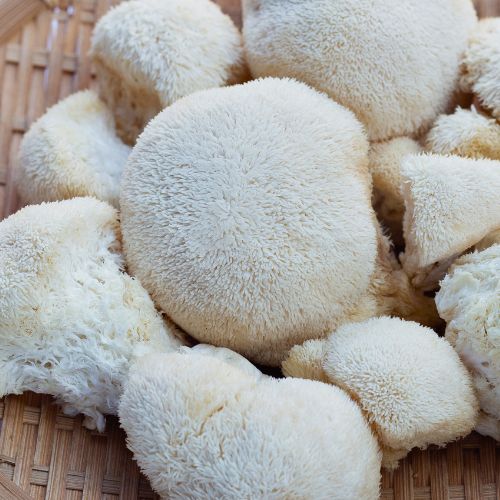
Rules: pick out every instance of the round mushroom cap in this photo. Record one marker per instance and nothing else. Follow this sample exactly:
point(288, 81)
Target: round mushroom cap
point(72, 150)
point(409, 382)
point(481, 65)
point(71, 321)
point(246, 214)
point(469, 302)
point(465, 133)
point(149, 53)
point(202, 428)
point(395, 63)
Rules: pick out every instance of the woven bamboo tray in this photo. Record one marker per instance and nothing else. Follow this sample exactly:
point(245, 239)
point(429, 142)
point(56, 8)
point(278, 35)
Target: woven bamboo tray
point(51, 456)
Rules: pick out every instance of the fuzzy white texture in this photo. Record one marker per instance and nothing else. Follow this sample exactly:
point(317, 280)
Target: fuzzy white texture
point(244, 234)
point(385, 164)
point(202, 428)
point(395, 63)
point(469, 301)
point(409, 382)
point(306, 361)
point(481, 65)
point(72, 150)
point(149, 53)
point(465, 133)
point(71, 321)
point(451, 203)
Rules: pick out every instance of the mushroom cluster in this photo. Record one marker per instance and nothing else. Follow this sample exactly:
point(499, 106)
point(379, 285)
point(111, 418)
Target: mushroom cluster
point(297, 197)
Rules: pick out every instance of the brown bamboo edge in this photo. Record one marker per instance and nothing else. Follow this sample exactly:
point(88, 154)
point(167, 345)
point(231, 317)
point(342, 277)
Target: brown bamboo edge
point(15, 13)
point(10, 491)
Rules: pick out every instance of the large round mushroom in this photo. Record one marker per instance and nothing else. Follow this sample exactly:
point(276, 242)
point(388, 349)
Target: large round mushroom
point(395, 63)
point(246, 214)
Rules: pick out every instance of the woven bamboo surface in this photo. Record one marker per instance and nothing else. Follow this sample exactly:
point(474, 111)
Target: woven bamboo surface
point(51, 456)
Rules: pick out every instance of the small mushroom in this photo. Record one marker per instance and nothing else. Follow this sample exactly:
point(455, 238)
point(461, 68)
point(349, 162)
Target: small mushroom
point(451, 204)
point(465, 133)
point(149, 53)
point(71, 321)
point(409, 382)
point(72, 150)
point(481, 65)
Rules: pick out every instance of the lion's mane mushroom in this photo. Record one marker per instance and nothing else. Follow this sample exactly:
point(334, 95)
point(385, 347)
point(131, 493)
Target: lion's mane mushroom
point(244, 234)
point(149, 53)
point(465, 133)
point(395, 63)
point(71, 321)
point(481, 65)
point(201, 427)
point(408, 381)
point(469, 301)
point(451, 204)
point(72, 150)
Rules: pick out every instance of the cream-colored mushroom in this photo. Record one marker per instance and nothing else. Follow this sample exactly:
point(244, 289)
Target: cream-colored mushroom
point(469, 301)
point(481, 65)
point(409, 382)
point(395, 63)
point(244, 234)
point(451, 204)
point(72, 150)
point(203, 428)
point(71, 321)
point(149, 53)
point(465, 133)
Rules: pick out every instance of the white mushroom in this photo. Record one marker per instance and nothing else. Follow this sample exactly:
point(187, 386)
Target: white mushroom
point(451, 204)
point(149, 53)
point(72, 150)
point(244, 234)
point(409, 382)
point(465, 133)
point(469, 301)
point(202, 428)
point(395, 63)
point(71, 321)
point(481, 65)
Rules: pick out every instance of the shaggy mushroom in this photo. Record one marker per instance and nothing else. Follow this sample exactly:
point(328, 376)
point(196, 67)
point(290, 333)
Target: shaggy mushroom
point(408, 381)
point(385, 163)
point(481, 65)
point(243, 234)
point(451, 204)
point(72, 150)
point(71, 321)
point(465, 133)
point(469, 301)
point(200, 427)
point(149, 53)
point(395, 63)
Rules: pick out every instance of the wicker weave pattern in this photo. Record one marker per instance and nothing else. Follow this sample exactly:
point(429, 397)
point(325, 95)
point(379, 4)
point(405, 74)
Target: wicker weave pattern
point(52, 456)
